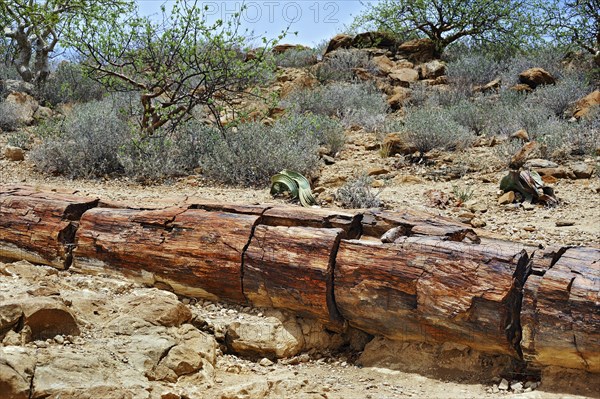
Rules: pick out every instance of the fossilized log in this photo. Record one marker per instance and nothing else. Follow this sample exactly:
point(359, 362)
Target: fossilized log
point(39, 226)
point(292, 268)
point(195, 252)
point(427, 289)
point(561, 310)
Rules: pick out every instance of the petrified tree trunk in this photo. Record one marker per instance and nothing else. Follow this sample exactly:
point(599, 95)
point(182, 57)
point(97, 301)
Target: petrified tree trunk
point(292, 268)
point(561, 310)
point(427, 289)
point(195, 252)
point(39, 227)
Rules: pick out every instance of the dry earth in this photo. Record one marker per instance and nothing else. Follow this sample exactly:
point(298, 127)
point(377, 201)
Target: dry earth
point(133, 339)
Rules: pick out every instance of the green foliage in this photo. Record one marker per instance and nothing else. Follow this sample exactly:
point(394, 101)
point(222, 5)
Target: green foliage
point(251, 153)
point(504, 22)
point(328, 132)
point(559, 97)
point(357, 193)
point(36, 28)
point(358, 104)
point(473, 69)
point(338, 66)
point(86, 144)
point(19, 139)
point(295, 184)
point(463, 194)
point(68, 83)
point(177, 62)
point(471, 115)
point(429, 128)
point(297, 58)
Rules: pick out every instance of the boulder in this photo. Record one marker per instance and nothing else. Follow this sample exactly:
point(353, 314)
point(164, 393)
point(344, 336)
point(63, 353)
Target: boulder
point(403, 76)
point(25, 106)
point(13, 153)
point(584, 105)
point(418, 50)
point(398, 97)
point(47, 317)
point(11, 85)
point(10, 314)
point(489, 87)
point(374, 39)
point(534, 77)
point(339, 41)
point(16, 371)
point(432, 69)
point(282, 48)
point(383, 63)
point(159, 308)
point(270, 337)
point(397, 145)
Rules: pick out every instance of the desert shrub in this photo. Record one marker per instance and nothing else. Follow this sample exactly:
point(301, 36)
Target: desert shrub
point(9, 120)
point(157, 157)
point(69, 84)
point(548, 58)
point(19, 139)
point(296, 58)
point(506, 118)
point(472, 115)
point(339, 65)
point(85, 144)
point(358, 193)
point(433, 127)
point(560, 96)
point(253, 152)
point(358, 104)
point(448, 96)
point(560, 139)
point(472, 69)
point(328, 132)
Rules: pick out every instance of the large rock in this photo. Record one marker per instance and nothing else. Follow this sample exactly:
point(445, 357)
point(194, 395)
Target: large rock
point(396, 144)
point(11, 85)
point(277, 337)
point(10, 314)
point(13, 153)
point(403, 76)
point(339, 41)
point(16, 370)
point(195, 352)
point(47, 317)
point(282, 48)
point(374, 39)
point(159, 308)
point(418, 50)
point(25, 106)
point(534, 77)
point(398, 97)
point(584, 105)
point(383, 63)
point(432, 69)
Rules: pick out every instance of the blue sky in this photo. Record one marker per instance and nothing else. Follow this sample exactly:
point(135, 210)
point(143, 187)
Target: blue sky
point(314, 20)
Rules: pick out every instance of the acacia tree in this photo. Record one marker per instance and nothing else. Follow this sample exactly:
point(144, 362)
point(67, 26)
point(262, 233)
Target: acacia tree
point(36, 28)
point(448, 21)
point(577, 22)
point(176, 64)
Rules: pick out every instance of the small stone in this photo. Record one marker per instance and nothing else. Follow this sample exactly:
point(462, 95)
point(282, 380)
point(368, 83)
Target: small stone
point(503, 386)
point(376, 171)
point(328, 160)
point(466, 217)
point(529, 228)
point(540, 163)
point(41, 344)
point(564, 223)
point(14, 153)
point(528, 206)
point(507, 198)
point(531, 384)
point(377, 183)
point(516, 386)
point(478, 223)
point(59, 339)
point(582, 170)
point(265, 362)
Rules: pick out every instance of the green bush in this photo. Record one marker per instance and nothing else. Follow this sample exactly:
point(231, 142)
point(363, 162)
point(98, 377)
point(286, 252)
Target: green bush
point(471, 115)
point(338, 65)
point(359, 104)
point(251, 153)
point(429, 128)
point(154, 158)
point(68, 83)
point(357, 193)
point(19, 139)
point(559, 97)
point(472, 69)
point(296, 58)
point(86, 144)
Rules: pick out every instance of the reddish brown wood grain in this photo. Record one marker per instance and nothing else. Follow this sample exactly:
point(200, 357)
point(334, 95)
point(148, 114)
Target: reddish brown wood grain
point(427, 289)
point(39, 226)
point(193, 251)
point(291, 268)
